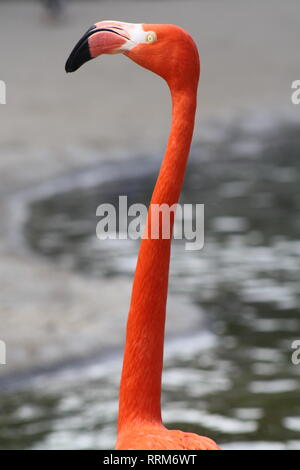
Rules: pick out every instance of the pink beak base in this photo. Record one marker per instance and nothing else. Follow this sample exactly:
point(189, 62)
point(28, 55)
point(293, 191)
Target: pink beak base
point(105, 42)
point(96, 41)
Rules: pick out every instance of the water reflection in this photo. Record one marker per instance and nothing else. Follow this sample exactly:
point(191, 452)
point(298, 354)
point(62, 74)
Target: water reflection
point(241, 388)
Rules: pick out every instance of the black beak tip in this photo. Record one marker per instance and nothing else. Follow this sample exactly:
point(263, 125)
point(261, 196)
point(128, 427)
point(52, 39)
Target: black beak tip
point(70, 66)
point(78, 57)
point(80, 54)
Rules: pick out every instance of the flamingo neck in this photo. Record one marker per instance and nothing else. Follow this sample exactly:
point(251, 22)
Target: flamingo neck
point(140, 388)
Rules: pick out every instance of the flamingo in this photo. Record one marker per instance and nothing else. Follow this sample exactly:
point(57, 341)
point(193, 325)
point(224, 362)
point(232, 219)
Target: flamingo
point(170, 52)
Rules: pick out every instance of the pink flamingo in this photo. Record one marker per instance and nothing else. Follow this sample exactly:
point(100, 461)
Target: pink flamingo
point(170, 52)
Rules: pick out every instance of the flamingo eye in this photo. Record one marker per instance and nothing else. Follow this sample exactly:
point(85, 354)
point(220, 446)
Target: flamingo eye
point(151, 37)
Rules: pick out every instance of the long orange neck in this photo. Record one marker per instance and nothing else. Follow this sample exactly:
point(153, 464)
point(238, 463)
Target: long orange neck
point(140, 388)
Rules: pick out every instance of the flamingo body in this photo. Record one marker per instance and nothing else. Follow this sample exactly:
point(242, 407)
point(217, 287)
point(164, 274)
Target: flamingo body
point(170, 52)
point(150, 437)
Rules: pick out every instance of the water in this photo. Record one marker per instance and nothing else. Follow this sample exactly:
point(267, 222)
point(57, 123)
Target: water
point(235, 382)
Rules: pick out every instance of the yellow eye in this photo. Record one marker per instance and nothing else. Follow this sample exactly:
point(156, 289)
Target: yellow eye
point(151, 36)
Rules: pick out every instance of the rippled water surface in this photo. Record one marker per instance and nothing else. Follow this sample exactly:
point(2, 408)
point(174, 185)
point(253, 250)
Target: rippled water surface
point(236, 382)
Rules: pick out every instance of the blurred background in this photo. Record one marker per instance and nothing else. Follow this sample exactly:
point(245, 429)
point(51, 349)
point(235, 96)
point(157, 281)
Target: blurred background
point(69, 143)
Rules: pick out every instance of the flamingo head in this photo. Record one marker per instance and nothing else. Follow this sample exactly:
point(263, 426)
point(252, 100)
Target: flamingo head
point(166, 50)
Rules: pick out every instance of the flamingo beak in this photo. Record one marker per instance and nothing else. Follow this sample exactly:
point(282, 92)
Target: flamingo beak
point(99, 39)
